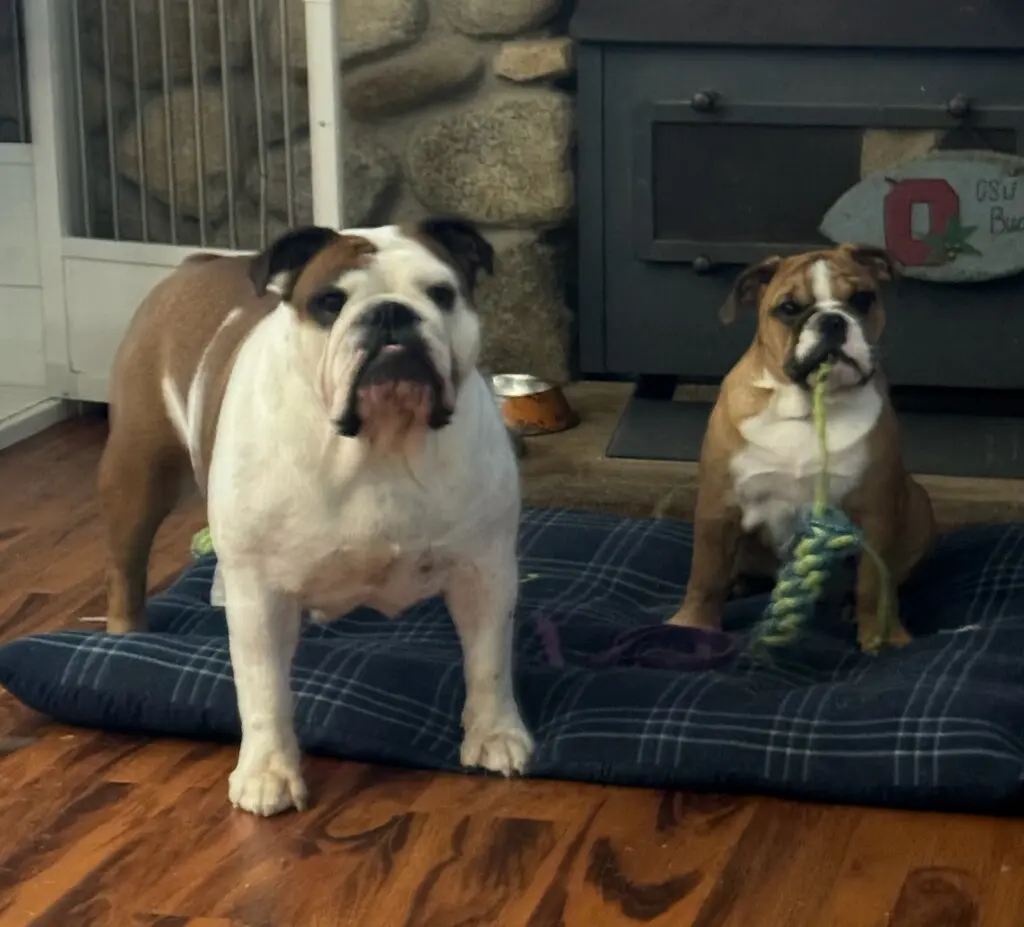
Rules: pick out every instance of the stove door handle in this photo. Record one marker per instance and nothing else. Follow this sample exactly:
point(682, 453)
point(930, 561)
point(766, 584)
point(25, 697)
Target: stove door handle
point(959, 106)
point(704, 101)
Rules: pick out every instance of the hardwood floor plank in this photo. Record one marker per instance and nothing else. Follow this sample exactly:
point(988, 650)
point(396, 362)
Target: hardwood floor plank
point(543, 799)
point(170, 920)
point(1002, 890)
point(41, 882)
point(470, 870)
point(641, 857)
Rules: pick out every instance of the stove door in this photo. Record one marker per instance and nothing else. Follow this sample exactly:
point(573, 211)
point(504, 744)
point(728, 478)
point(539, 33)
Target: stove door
point(740, 182)
point(715, 158)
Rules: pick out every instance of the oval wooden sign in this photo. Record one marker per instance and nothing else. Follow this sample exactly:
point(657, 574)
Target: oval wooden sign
point(949, 217)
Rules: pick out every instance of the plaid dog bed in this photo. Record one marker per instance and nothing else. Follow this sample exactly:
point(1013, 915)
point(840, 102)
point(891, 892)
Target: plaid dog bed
point(937, 725)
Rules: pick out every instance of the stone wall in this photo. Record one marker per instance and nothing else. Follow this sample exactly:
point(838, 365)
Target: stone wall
point(451, 106)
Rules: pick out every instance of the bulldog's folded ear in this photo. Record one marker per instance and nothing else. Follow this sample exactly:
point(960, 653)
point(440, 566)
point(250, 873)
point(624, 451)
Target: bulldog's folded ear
point(872, 258)
point(746, 291)
point(463, 244)
point(283, 260)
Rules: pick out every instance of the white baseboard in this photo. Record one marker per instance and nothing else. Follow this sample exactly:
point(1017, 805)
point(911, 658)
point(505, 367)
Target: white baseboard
point(25, 412)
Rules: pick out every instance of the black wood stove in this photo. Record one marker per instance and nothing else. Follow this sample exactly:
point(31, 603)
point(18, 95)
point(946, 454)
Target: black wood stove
point(713, 134)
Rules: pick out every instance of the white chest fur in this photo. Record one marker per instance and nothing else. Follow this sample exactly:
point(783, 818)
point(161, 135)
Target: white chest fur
point(775, 474)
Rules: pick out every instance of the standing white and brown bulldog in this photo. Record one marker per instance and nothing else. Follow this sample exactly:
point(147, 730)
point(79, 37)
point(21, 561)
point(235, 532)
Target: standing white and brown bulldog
point(760, 458)
point(325, 397)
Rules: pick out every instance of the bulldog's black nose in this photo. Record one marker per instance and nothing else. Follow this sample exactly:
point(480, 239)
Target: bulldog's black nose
point(832, 328)
point(390, 318)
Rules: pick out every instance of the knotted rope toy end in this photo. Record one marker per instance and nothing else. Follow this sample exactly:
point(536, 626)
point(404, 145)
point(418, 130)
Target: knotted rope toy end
point(826, 538)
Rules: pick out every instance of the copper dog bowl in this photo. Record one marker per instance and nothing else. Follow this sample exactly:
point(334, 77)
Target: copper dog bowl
point(532, 406)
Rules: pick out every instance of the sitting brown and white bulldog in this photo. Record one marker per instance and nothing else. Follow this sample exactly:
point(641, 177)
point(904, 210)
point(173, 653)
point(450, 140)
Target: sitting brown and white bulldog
point(760, 458)
point(325, 397)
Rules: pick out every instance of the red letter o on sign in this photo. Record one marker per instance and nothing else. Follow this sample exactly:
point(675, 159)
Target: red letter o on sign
point(943, 204)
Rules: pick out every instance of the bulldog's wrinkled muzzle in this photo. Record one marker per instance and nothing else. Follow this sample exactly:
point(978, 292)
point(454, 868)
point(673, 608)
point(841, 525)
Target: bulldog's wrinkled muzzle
point(397, 388)
point(824, 337)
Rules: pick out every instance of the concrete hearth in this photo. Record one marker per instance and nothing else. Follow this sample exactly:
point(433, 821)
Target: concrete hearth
point(571, 470)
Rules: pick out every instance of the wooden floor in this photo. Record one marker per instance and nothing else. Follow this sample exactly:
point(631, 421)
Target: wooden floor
point(98, 829)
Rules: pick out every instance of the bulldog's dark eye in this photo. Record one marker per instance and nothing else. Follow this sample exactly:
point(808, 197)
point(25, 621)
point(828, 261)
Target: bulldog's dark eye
point(442, 295)
point(325, 307)
point(788, 310)
point(862, 301)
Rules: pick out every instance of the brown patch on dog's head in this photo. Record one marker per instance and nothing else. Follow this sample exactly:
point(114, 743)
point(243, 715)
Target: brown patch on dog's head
point(305, 265)
point(458, 243)
point(788, 291)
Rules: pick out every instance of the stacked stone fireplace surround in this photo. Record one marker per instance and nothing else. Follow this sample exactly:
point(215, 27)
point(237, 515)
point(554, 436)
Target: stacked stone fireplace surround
point(460, 107)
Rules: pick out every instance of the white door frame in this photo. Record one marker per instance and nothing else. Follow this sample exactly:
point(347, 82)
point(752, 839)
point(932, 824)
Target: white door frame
point(45, 104)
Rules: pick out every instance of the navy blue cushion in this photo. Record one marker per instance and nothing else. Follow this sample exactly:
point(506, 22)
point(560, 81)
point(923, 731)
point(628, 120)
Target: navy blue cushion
point(937, 725)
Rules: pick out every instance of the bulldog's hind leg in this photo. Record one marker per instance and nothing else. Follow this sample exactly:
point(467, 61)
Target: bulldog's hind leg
point(139, 483)
point(263, 632)
point(884, 529)
point(481, 597)
point(873, 587)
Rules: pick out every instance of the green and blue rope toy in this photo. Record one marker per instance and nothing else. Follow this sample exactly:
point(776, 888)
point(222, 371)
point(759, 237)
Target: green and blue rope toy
point(826, 538)
point(202, 544)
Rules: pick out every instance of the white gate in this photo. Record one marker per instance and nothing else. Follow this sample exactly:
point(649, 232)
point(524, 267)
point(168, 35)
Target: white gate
point(23, 380)
point(160, 126)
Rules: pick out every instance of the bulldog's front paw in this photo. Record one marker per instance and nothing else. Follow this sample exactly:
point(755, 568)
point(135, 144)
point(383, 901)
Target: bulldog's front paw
point(871, 641)
point(267, 783)
point(690, 617)
point(503, 746)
